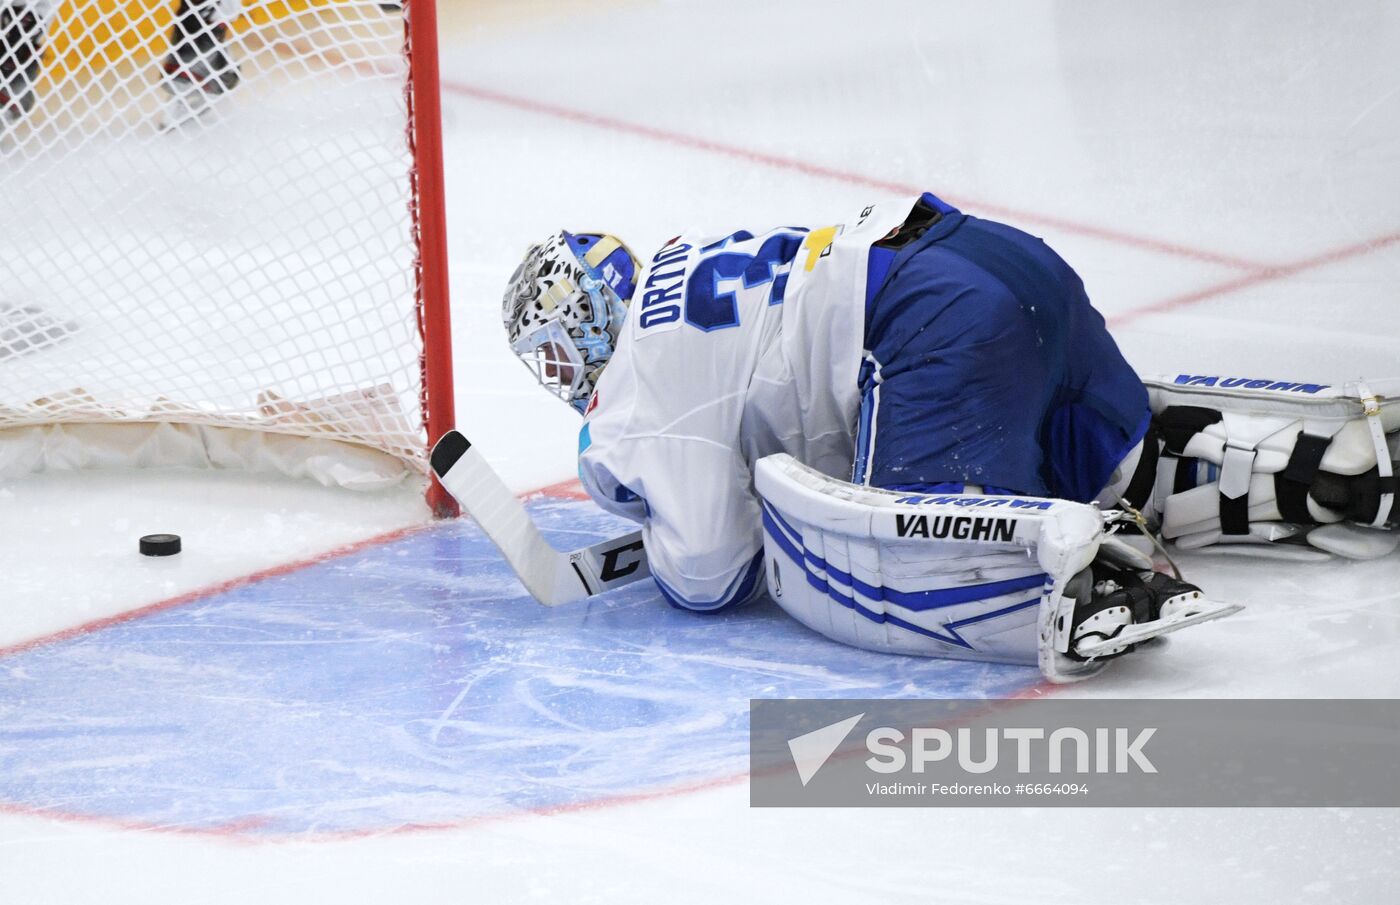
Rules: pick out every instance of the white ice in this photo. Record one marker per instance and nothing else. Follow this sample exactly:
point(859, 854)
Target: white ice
point(1265, 136)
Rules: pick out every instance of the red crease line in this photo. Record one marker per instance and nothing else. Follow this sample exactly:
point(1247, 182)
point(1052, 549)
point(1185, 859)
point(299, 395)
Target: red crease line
point(566, 489)
point(208, 591)
point(237, 831)
point(569, 489)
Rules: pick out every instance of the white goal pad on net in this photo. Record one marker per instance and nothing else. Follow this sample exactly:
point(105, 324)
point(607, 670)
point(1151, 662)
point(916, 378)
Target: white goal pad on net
point(240, 265)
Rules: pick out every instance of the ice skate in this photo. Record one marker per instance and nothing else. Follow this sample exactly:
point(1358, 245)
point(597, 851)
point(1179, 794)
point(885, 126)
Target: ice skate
point(1126, 608)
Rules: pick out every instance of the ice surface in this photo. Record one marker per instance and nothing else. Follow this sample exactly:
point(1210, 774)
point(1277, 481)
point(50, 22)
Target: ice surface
point(1223, 176)
point(415, 683)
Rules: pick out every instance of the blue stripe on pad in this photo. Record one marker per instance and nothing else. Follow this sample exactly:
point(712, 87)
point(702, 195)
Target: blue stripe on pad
point(771, 524)
point(919, 601)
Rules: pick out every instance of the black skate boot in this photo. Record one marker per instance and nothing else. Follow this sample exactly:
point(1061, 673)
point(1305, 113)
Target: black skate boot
point(21, 52)
point(197, 69)
point(1127, 604)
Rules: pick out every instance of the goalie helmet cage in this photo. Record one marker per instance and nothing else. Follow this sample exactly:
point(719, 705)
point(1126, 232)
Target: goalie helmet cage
point(224, 238)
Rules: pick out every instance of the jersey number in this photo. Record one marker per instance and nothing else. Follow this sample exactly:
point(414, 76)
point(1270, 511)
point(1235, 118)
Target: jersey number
point(710, 308)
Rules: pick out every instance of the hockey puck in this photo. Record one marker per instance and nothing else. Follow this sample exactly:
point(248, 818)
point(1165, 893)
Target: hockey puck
point(160, 545)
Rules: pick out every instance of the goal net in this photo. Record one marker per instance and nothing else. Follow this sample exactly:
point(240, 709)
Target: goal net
point(222, 237)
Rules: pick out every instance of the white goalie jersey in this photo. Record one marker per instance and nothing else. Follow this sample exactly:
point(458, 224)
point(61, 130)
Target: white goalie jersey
point(734, 348)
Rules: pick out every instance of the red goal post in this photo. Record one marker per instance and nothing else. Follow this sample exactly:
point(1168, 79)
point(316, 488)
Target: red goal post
point(434, 301)
point(252, 276)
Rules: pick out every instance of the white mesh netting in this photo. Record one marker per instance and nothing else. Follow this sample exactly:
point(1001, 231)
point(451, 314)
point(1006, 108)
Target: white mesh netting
point(208, 219)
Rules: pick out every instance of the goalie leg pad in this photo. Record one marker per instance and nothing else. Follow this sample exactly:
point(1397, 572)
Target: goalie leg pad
point(956, 575)
point(1256, 461)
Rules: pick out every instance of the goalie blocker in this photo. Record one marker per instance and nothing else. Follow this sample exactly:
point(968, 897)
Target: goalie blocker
point(1000, 578)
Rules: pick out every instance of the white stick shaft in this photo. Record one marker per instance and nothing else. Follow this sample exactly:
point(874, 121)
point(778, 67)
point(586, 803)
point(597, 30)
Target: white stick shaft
point(551, 577)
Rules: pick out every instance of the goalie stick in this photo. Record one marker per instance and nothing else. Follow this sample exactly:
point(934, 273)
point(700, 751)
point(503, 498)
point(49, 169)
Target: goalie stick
point(552, 577)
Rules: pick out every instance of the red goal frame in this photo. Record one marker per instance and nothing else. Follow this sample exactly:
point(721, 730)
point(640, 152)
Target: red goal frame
point(424, 99)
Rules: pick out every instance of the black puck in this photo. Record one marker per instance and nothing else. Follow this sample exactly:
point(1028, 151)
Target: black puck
point(160, 545)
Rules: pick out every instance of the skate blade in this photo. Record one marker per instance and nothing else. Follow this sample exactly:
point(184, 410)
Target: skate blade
point(1136, 634)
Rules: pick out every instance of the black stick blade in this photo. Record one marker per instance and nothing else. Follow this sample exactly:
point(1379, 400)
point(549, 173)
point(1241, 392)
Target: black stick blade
point(451, 447)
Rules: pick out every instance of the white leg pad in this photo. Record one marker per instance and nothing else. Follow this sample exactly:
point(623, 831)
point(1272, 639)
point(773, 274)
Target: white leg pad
point(1253, 450)
point(952, 575)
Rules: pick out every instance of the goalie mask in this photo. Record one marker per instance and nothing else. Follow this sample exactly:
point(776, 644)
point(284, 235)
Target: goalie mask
point(564, 307)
